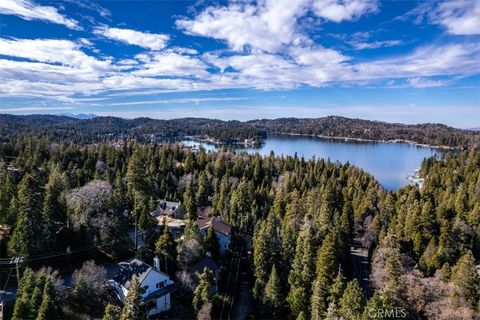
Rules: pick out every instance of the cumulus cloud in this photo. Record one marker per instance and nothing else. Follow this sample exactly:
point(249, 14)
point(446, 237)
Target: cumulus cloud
point(29, 10)
point(153, 41)
point(458, 17)
point(170, 64)
point(339, 10)
point(268, 25)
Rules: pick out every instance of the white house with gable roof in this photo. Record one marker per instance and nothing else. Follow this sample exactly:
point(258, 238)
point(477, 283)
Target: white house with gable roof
point(156, 285)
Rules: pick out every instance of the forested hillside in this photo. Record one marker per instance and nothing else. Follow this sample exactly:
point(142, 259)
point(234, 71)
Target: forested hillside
point(429, 133)
point(61, 128)
point(303, 215)
point(227, 132)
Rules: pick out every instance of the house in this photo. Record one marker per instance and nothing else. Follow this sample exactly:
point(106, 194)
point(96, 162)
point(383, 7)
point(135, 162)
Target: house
point(156, 284)
point(176, 226)
point(169, 209)
point(222, 229)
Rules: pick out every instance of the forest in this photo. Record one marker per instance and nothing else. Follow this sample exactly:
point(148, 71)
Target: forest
point(66, 207)
point(58, 128)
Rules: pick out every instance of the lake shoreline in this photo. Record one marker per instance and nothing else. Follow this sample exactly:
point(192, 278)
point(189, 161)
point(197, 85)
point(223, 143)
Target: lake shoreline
point(390, 163)
point(347, 139)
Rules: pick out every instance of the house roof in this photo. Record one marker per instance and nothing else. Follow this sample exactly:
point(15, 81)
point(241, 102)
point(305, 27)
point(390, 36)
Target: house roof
point(165, 207)
point(131, 268)
point(216, 223)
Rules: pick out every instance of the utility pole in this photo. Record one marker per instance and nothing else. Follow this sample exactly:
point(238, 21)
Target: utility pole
point(17, 261)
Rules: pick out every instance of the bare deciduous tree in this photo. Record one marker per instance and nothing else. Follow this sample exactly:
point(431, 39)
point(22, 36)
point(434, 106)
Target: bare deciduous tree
point(89, 282)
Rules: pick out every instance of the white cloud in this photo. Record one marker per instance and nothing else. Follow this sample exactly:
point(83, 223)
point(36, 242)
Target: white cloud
point(29, 10)
point(425, 83)
point(451, 59)
point(25, 109)
point(339, 10)
point(268, 25)
point(171, 64)
point(64, 52)
point(61, 70)
point(359, 45)
point(153, 41)
point(458, 17)
point(175, 101)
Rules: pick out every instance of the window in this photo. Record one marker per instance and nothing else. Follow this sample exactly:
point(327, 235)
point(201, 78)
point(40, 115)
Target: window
point(160, 285)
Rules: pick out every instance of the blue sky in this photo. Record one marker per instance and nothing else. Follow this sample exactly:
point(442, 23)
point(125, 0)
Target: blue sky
point(398, 61)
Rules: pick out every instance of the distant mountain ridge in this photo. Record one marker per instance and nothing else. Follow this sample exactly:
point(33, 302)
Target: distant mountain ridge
point(63, 127)
point(83, 116)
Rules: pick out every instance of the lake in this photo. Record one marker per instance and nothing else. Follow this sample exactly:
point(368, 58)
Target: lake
point(389, 163)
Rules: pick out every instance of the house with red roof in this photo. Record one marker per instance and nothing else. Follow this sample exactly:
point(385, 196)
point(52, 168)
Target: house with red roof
point(223, 230)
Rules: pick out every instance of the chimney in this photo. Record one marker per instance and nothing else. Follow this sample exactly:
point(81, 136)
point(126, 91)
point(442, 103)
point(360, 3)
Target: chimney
point(156, 263)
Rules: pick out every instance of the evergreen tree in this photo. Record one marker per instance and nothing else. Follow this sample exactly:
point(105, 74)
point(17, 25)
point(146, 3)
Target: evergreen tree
point(27, 238)
point(203, 291)
point(166, 248)
point(352, 302)
point(326, 265)
point(112, 312)
point(211, 244)
point(466, 278)
point(190, 202)
point(273, 298)
point(302, 274)
point(263, 245)
point(203, 190)
point(192, 232)
point(50, 307)
point(54, 210)
point(131, 308)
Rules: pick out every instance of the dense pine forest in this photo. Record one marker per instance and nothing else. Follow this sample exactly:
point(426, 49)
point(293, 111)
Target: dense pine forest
point(58, 128)
point(62, 199)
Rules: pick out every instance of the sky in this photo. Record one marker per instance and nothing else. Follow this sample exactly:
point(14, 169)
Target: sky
point(396, 61)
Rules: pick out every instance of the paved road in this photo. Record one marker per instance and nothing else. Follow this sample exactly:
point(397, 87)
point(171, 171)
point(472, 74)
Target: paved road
point(361, 266)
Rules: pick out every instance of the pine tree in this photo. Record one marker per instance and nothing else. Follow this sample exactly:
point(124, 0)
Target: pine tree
point(466, 279)
point(212, 245)
point(190, 202)
point(203, 291)
point(273, 298)
point(50, 308)
point(131, 308)
point(263, 246)
point(166, 248)
point(192, 232)
point(326, 265)
point(203, 190)
point(112, 312)
point(337, 289)
point(53, 210)
point(23, 308)
point(352, 302)
point(302, 274)
point(28, 233)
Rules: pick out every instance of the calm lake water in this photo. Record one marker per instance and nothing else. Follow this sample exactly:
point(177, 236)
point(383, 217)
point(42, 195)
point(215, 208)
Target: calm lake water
point(389, 163)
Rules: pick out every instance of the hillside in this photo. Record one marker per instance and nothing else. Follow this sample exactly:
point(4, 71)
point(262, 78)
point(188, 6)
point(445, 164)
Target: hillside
point(334, 126)
point(102, 128)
